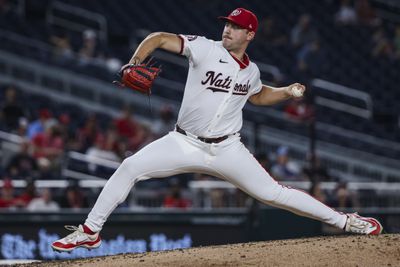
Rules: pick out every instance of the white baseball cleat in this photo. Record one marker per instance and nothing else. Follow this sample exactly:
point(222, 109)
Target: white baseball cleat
point(77, 239)
point(362, 225)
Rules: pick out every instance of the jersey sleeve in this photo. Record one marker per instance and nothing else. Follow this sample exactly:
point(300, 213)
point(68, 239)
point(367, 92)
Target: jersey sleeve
point(195, 48)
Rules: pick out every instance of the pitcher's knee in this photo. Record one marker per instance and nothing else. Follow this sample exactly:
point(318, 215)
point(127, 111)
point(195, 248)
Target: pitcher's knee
point(272, 194)
point(128, 169)
point(129, 160)
point(268, 196)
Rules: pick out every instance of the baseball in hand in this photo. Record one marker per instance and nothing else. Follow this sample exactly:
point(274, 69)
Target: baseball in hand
point(297, 91)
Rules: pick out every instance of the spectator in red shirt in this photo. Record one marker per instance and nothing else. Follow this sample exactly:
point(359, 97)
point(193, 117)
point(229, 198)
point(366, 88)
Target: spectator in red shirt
point(299, 110)
point(27, 195)
point(143, 136)
point(49, 144)
point(174, 198)
point(7, 198)
point(126, 125)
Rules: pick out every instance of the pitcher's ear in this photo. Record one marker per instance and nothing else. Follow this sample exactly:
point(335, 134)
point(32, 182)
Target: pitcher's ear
point(251, 35)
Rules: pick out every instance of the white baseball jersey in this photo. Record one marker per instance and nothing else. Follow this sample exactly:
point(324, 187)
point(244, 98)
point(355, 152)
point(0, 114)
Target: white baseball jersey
point(216, 90)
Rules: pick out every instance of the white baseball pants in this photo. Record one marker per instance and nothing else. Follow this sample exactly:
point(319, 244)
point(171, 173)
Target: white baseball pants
point(229, 160)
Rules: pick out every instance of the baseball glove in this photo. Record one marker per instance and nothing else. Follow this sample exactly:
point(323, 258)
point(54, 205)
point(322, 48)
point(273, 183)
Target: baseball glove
point(138, 77)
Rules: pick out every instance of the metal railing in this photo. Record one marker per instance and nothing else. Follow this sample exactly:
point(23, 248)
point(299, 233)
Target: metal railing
point(348, 92)
point(343, 162)
point(59, 14)
point(97, 94)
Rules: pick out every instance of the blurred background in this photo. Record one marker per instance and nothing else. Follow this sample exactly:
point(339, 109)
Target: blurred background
point(64, 128)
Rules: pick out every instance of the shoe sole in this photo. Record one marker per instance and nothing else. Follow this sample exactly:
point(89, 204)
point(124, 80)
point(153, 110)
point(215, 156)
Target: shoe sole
point(80, 246)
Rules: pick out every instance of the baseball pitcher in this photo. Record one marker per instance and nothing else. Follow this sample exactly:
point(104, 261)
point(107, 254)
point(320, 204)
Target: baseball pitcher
point(206, 139)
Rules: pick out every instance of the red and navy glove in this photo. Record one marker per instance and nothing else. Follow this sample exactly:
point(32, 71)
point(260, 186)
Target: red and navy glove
point(138, 77)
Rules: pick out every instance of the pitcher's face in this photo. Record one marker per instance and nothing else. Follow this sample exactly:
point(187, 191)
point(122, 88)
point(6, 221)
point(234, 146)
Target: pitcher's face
point(234, 37)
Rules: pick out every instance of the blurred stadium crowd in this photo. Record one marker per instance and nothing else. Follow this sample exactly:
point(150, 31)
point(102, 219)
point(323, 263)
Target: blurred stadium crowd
point(49, 134)
point(343, 41)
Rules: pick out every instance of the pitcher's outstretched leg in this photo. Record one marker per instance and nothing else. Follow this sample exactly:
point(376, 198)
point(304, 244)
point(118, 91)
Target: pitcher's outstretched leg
point(252, 178)
point(147, 163)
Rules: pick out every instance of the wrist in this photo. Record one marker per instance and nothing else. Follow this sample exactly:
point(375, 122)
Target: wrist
point(288, 91)
point(135, 60)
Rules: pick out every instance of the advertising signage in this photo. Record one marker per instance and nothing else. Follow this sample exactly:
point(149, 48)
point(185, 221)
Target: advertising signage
point(31, 238)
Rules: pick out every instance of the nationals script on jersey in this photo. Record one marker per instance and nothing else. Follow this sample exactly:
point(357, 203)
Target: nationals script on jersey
point(217, 88)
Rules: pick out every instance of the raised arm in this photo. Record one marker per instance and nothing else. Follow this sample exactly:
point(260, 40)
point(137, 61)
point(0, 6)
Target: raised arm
point(167, 41)
point(140, 77)
point(271, 95)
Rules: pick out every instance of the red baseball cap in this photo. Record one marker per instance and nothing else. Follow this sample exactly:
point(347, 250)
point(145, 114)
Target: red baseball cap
point(243, 18)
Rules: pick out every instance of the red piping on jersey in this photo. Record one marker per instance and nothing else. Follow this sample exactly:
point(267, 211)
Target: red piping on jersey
point(243, 64)
point(181, 51)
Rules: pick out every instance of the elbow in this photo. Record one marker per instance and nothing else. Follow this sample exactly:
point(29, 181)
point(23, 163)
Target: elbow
point(156, 37)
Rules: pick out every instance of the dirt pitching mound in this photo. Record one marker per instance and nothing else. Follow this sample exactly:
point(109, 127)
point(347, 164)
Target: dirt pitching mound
point(383, 250)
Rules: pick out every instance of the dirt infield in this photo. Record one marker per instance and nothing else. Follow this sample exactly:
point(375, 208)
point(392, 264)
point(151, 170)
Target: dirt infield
point(335, 251)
